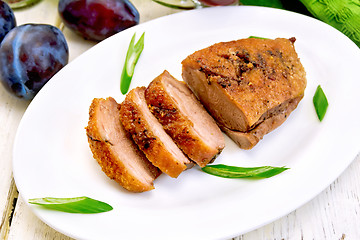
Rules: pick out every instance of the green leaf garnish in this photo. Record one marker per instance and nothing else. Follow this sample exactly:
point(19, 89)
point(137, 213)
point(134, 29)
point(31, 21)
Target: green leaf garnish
point(176, 4)
point(72, 205)
point(320, 103)
point(258, 37)
point(132, 56)
point(226, 171)
point(16, 4)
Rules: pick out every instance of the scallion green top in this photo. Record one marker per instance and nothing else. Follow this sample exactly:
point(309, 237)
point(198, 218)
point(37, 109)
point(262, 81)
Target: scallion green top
point(226, 171)
point(72, 205)
point(320, 103)
point(131, 59)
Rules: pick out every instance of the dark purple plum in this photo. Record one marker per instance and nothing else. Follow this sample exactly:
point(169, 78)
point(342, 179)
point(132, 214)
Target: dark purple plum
point(30, 55)
point(7, 19)
point(98, 19)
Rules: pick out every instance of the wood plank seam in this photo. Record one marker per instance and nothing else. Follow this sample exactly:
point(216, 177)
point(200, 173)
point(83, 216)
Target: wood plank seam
point(9, 211)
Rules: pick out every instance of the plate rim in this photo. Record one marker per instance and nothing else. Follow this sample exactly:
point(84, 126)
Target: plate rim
point(133, 29)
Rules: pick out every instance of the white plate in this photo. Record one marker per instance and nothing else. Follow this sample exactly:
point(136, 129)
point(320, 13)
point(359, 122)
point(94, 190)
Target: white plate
point(52, 157)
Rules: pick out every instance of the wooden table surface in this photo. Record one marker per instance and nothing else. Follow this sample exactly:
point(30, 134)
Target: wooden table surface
point(333, 214)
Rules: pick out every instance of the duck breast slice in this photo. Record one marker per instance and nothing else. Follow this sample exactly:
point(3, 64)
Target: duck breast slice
point(150, 136)
point(247, 140)
point(244, 82)
point(184, 119)
point(114, 149)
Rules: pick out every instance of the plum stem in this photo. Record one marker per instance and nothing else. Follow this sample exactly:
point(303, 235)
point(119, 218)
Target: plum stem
point(59, 23)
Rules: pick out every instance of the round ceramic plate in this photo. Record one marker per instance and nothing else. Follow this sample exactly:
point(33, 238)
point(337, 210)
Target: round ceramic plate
point(52, 159)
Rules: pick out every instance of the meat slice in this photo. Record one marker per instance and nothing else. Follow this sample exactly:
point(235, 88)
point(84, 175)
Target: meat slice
point(242, 83)
point(115, 151)
point(149, 134)
point(247, 140)
point(184, 119)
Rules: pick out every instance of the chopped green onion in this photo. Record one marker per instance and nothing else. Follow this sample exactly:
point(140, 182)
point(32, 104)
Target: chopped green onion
point(72, 205)
point(20, 3)
point(226, 171)
point(131, 59)
point(258, 37)
point(184, 5)
point(320, 103)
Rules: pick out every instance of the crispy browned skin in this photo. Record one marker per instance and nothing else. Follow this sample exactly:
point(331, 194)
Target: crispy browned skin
point(150, 136)
point(184, 119)
point(114, 149)
point(242, 83)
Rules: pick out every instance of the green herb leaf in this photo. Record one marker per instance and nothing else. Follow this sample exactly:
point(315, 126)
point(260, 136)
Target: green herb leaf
point(16, 4)
point(320, 103)
point(184, 5)
point(258, 37)
point(226, 171)
point(132, 57)
point(72, 205)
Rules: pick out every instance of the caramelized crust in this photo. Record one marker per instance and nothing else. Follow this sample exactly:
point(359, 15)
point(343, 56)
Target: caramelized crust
point(244, 83)
point(150, 136)
point(184, 119)
point(241, 82)
point(114, 150)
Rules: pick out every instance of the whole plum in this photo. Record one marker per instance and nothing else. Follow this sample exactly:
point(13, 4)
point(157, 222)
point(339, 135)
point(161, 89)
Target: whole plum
point(98, 19)
point(30, 55)
point(7, 19)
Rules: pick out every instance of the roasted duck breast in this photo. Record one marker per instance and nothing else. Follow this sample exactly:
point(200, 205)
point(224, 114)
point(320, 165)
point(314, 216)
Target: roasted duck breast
point(114, 149)
point(245, 83)
point(184, 119)
point(150, 136)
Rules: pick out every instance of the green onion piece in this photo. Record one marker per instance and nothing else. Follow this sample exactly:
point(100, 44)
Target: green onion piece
point(320, 103)
point(226, 171)
point(21, 3)
point(131, 59)
point(176, 4)
point(72, 205)
point(258, 37)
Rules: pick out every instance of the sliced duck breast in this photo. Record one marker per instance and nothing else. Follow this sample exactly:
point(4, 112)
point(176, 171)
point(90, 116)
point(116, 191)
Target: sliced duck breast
point(184, 119)
point(114, 149)
point(150, 136)
point(247, 140)
point(244, 82)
